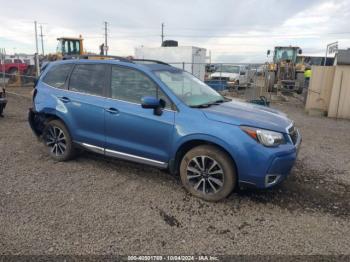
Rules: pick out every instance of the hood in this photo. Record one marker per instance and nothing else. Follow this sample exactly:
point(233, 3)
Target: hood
point(241, 113)
point(224, 74)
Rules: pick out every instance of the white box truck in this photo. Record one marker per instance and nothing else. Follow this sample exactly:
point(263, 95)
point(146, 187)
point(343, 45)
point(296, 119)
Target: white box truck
point(189, 58)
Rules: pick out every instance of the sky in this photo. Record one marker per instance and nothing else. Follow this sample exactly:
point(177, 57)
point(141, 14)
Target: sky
point(234, 31)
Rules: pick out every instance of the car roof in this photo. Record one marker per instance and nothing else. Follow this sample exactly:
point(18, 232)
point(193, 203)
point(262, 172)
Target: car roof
point(151, 66)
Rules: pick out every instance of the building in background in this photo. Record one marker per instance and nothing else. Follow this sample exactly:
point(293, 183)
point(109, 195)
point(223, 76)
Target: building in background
point(189, 58)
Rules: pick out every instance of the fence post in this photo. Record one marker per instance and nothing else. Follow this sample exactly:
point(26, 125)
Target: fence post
point(2, 56)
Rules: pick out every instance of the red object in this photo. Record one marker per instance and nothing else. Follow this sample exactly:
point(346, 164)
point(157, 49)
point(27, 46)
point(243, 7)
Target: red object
point(12, 67)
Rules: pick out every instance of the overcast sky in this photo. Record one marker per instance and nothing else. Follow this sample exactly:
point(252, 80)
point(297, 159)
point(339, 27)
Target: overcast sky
point(234, 31)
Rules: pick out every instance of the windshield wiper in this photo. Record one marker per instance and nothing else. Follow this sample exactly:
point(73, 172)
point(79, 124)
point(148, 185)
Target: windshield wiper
point(201, 106)
point(216, 102)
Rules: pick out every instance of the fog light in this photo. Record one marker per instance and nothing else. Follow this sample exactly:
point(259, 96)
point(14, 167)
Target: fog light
point(271, 179)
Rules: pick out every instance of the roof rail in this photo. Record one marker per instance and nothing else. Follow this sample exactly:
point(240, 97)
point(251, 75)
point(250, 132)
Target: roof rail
point(149, 61)
point(106, 57)
point(99, 57)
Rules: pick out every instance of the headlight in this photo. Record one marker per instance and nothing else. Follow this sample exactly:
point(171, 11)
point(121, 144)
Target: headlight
point(265, 137)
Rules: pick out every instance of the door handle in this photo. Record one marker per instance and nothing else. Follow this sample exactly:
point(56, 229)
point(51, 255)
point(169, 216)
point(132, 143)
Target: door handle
point(112, 110)
point(64, 99)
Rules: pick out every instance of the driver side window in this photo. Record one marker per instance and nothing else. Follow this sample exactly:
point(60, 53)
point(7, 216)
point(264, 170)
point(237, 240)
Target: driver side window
point(131, 85)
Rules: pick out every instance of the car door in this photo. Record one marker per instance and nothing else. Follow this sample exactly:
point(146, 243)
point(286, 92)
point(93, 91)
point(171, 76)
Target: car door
point(85, 102)
point(132, 132)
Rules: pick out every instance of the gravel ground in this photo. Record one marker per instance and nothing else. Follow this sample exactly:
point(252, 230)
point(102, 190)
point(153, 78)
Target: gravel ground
point(97, 205)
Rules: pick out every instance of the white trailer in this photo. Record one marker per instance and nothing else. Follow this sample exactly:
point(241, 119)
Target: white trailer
point(189, 58)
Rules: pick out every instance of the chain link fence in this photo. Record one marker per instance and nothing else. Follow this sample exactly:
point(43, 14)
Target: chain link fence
point(15, 70)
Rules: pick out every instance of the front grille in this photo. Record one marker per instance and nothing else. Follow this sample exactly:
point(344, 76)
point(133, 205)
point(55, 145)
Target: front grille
point(293, 133)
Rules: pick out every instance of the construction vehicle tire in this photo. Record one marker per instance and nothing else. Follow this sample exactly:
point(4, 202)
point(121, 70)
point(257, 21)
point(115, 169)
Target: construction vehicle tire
point(270, 80)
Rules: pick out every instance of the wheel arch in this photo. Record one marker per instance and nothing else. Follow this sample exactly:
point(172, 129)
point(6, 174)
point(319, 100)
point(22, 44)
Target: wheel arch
point(38, 120)
point(192, 142)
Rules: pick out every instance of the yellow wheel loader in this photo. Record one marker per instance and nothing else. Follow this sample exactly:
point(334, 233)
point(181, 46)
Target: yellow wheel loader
point(284, 73)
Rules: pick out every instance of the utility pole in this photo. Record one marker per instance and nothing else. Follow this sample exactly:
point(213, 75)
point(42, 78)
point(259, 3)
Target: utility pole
point(106, 45)
point(37, 50)
point(162, 35)
point(42, 39)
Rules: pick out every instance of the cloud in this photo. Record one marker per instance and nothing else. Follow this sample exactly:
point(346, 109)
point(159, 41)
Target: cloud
point(232, 30)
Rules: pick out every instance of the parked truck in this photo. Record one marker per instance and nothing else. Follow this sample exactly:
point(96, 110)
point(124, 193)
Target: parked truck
point(13, 66)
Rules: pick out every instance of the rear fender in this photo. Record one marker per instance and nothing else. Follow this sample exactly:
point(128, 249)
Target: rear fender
point(36, 122)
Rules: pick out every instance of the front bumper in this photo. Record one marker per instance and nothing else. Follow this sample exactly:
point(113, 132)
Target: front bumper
point(3, 103)
point(276, 170)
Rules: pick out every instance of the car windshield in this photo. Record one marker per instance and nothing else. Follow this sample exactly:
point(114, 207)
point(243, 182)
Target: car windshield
point(189, 89)
point(228, 69)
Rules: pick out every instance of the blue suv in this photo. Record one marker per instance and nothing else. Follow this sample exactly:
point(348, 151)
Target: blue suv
point(159, 115)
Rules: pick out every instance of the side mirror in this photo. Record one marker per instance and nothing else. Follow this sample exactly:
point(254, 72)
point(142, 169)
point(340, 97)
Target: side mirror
point(300, 51)
point(268, 52)
point(242, 73)
point(151, 102)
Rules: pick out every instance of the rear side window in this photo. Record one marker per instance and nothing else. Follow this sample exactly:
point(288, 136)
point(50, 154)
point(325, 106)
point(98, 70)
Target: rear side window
point(89, 79)
point(58, 75)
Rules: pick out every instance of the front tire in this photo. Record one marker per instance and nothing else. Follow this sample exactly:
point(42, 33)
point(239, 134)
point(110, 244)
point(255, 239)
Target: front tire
point(208, 173)
point(58, 141)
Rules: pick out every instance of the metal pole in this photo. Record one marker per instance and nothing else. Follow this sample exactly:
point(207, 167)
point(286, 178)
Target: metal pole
point(106, 46)
point(37, 50)
point(162, 35)
point(42, 39)
point(2, 55)
point(325, 57)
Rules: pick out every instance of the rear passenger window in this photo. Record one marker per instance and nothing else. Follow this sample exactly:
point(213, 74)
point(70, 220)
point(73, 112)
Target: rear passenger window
point(131, 85)
point(89, 79)
point(58, 75)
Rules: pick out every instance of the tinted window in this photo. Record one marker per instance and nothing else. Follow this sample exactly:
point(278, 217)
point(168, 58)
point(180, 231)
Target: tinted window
point(58, 75)
point(131, 85)
point(88, 79)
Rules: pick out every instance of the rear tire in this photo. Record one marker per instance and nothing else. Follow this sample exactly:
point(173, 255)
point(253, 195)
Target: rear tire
point(208, 173)
point(58, 141)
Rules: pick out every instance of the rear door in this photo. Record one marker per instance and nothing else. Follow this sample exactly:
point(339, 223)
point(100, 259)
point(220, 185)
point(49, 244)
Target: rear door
point(133, 132)
point(85, 101)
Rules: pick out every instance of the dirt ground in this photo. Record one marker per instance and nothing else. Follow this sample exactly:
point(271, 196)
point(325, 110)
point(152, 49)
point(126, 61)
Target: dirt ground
point(97, 205)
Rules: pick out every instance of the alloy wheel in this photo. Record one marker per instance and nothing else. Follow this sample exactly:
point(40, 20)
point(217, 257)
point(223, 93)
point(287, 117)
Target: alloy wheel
point(56, 140)
point(205, 174)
